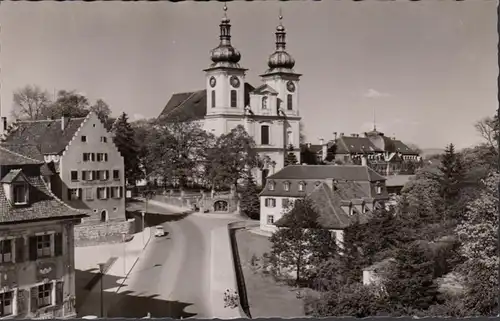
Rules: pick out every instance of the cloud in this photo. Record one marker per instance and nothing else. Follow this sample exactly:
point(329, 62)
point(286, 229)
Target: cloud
point(372, 93)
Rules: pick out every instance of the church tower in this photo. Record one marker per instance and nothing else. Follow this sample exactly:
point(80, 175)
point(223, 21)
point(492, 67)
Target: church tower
point(225, 80)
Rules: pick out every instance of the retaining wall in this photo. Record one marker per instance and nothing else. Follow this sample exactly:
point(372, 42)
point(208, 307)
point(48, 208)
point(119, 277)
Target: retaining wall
point(92, 233)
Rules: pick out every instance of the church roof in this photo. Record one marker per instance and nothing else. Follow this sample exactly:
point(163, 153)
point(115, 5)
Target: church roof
point(192, 105)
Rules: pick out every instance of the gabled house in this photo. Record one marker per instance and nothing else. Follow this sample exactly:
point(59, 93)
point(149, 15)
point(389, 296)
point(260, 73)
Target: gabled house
point(36, 241)
point(82, 166)
point(341, 194)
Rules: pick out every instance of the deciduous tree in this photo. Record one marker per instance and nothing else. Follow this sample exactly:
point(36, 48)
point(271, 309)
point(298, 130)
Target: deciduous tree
point(102, 110)
point(68, 103)
point(30, 102)
point(125, 141)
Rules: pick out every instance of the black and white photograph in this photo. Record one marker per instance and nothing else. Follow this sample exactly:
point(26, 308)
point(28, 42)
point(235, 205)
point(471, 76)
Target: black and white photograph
point(249, 159)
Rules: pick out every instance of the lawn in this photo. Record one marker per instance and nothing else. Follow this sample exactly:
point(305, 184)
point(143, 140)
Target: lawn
point(266, 297)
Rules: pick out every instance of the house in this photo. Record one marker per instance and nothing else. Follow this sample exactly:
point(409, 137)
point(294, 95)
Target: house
point(388, 156)
point(37, 273)
point(83, 168)
point(341, 194)
point(269, 112)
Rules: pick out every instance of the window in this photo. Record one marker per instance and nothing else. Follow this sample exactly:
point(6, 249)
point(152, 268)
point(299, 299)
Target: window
point(289, 102)
point(286, 186)
point(270, 219)
point(104, 216)
point(74, 176)
point(116, 174)
point(103, 175)
point(84, 139)
point(271, 186)
point(234, 98)
point(264, 102)
point(43, 245)
point(88, 175)
point(88, 194)
point(270, 202)
point(6, 303)
point(20, 194)
point(350, 209)
point(301, 186)
point(74, 194)
point(116, 192)
point(102, 157)
point(88, 157)
point(264, 135)
point(379, 189)
point(44, 295)
point(6, 251)
point(104, 139)
point(102, 193)
point(213, 98)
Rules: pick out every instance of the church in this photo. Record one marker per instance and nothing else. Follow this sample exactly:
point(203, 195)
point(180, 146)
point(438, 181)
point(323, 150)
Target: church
point(269, 111)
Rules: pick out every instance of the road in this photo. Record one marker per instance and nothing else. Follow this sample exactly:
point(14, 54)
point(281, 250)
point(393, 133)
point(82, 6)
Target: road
point(172, 277)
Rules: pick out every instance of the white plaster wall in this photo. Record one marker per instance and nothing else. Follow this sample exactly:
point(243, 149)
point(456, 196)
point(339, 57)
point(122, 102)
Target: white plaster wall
point(222, 92)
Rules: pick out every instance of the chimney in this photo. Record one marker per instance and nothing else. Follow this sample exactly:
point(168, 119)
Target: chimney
point(335, 135)
point(321, 141)
point(63, 122)
point(4, 125)
point(364, 161)
point(341, 134)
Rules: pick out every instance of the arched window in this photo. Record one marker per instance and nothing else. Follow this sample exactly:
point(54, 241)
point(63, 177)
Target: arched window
point(264, 135)
point(234, 98)
point(104, 216)
point(289, 102)
point(213, 98)
point(289, 140)
point(264, 102)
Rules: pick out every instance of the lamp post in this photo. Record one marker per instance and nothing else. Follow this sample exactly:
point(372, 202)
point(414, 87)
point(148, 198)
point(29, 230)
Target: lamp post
point(124, 254)
point(101, 270)
point(143, 227)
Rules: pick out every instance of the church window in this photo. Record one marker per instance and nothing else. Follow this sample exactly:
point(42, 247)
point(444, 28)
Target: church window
point(289, 102)
point(264, 135)
point(233, 98)
point(264, 102)
point(213, 98)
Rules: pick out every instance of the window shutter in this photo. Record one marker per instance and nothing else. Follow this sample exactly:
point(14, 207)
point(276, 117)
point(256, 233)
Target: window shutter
point(93, 157)
point(107, 192)
point(59, 292)
point(121, 192)
point(79, 193)
point(19, 249)
point(34, 299)
point(105, 157)
point(58, 244)
point(32, 248)
point(94, 175)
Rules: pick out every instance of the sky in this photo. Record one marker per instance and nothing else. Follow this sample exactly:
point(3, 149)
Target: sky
point(427, 70)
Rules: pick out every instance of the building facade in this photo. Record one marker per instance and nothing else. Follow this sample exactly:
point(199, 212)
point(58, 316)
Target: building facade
point(340, 193)
point(37, 271)
point(268, 112)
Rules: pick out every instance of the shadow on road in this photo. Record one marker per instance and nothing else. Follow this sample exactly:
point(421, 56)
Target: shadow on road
point(127, 304)
point(152, 219)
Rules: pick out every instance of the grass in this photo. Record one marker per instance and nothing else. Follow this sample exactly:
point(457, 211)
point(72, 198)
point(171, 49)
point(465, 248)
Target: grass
point(266, 297)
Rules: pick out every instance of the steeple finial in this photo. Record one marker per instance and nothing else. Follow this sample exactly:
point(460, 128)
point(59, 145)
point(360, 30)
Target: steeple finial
point(225, 9)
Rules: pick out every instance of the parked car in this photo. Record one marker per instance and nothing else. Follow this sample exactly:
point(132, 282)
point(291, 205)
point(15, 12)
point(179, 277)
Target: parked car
point(159, 231)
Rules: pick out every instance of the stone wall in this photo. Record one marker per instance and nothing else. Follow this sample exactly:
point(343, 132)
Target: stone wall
point(93, 233)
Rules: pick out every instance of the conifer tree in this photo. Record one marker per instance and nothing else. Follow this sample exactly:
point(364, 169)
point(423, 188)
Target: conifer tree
point(250, 203)
point(290, 158)
point(124, 139)
point(451, 180)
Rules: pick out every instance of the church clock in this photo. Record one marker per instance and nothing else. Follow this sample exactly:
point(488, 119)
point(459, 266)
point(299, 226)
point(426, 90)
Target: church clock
point(212, 82)
point(235, 82)
point(290, 86)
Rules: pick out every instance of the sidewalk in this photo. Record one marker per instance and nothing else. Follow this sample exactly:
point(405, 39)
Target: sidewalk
point(125, 255)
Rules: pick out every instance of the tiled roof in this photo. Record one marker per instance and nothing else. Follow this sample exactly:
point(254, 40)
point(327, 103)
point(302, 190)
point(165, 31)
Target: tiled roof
point(9, 157)
point(355, 145)
point(46, 134)
point(192, 105)
point(11, 176)
point(338, 172)
point(397, 180)
point(43, 205)
point(328, 205)
point(403, 148)
point(29, 150)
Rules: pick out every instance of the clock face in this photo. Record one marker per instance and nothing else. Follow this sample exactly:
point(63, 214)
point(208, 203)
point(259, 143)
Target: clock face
point(212, 82)
point(235, 82)
point(290, 86)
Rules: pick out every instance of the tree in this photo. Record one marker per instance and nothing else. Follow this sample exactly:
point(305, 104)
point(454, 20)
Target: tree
point(330, 153)
point(302, 242)
point(30, 102)
point(69, 104)
point(145, 136)
point(488, 129)
point(451, 180)
point(102, 110)
point(290, 158)
point(409, 282)
point(307, 156)
point(124, 139)
point(232, 158)
point(250, 203)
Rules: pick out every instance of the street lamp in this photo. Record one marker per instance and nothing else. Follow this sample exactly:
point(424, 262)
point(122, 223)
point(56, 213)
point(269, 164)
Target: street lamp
point(124, 253)
point(101, 270)
point(143, 227)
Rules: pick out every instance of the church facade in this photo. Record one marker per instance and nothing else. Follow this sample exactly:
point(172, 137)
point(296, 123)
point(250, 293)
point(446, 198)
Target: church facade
point(269, 112)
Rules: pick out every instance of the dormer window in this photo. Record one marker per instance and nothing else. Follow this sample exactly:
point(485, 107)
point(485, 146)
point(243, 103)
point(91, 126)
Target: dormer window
point(378, 189)
point(286, 186)
point(350, 209)
point(20, 194)
point(264, 102)
point(302, 186)
point(271, 186)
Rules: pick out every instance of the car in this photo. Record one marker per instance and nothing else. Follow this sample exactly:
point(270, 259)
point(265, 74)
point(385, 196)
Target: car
point(159, 231)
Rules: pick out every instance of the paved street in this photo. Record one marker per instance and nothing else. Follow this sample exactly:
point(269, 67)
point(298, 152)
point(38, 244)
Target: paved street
point(172, 278)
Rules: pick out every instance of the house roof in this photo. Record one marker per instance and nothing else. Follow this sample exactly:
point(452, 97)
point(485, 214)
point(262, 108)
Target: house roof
point(46, 134)
point(9, 157)
point(32, 152)
point(192, 105)
point(43, 204)
point(338, 172)
point(397, 180)
point(328, 204)
point(12, 176)
point(355, 145)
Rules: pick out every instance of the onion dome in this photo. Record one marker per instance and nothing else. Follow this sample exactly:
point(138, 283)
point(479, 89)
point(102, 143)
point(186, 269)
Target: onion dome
point(280, 60)
point(225, 54)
